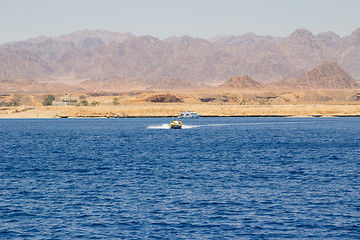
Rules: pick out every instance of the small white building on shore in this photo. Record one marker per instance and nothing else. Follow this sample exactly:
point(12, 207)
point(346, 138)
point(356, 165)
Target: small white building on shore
point(66, 100)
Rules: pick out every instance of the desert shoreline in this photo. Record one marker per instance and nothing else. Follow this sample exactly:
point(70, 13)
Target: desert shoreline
point(171, 110)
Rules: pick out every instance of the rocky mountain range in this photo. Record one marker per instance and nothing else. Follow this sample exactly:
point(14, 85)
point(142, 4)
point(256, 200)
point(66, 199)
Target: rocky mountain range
point(99, 56)
point(327, 76)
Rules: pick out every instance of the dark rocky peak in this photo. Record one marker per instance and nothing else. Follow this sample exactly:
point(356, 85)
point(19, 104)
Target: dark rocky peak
point(49, 50)
point(187, 38)
point(105, 36)
point(190, 42)
point(242, 82)
point(187, 42)
point(30, 46)
point(301, 36)
point(330, 76)
point(240, 40)
point(301, 32)
point(21, 45)
point(326, 69)
point(142, 41)
point(248, 38)
point(356, 33)
point(329, 38)
point(354, 38)
point(55, 45)
point(37, 39)
point(323, 69)
point(91, 43)
point(48, 42)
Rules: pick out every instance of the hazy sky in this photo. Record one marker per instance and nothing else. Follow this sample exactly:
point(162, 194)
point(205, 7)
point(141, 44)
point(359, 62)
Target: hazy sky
point(23, 19)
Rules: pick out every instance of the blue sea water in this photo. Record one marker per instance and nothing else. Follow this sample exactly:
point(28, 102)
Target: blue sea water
point(218, 178)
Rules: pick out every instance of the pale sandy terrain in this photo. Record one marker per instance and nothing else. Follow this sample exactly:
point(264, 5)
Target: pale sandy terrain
point(222, 103)
point(172, 110)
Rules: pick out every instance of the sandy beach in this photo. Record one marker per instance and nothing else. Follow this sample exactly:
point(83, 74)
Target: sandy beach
point(173, 109)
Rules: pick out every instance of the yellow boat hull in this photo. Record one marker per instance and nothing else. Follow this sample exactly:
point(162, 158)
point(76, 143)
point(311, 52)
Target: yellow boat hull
point(175, 125)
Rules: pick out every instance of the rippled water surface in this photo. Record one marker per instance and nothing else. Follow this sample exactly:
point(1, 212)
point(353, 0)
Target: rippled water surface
point(218, 178)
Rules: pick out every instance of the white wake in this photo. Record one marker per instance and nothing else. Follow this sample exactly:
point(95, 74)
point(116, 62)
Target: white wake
point(162, 126)
point(167, 126)
point(184, 126)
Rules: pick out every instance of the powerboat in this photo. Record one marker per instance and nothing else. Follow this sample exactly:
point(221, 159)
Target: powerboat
point(189, 114)
point(176, 124)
